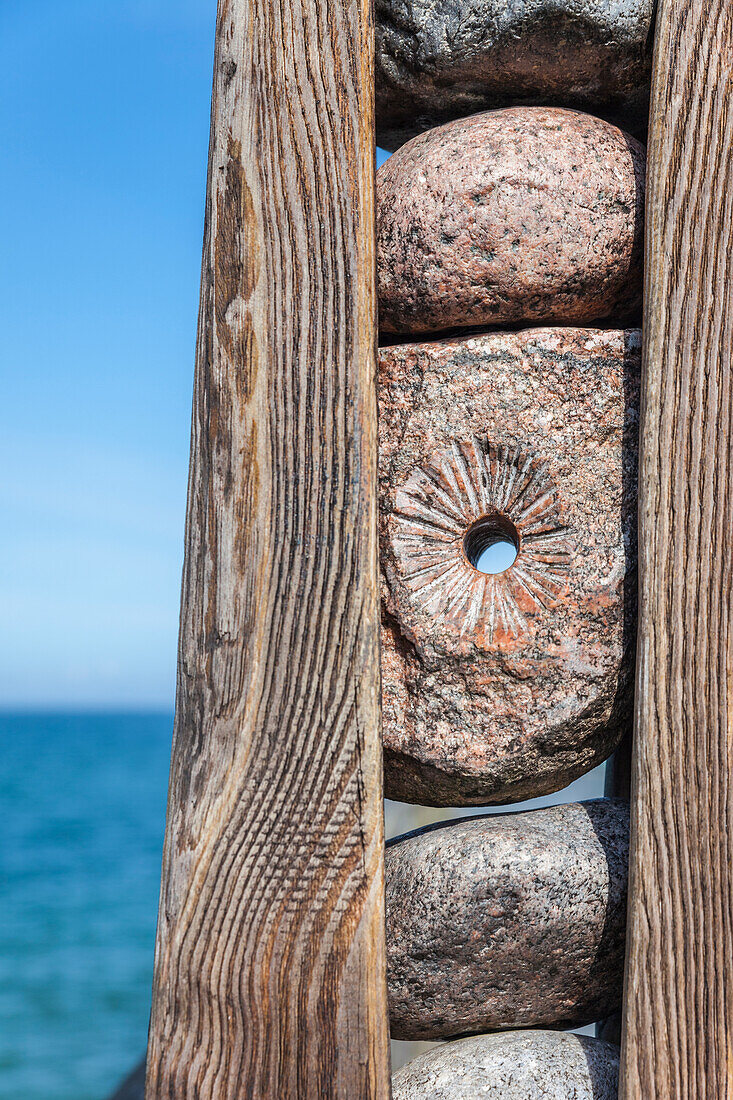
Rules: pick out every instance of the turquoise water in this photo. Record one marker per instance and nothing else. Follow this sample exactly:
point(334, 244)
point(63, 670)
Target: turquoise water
point(83, 809)
point(83, 812)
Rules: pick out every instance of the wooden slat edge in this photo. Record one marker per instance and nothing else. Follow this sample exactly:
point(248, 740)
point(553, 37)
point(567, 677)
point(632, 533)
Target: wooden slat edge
point(679, 975)
point(270, 961)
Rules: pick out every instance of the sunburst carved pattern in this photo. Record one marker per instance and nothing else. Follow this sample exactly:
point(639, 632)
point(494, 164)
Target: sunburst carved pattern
point(441, 500)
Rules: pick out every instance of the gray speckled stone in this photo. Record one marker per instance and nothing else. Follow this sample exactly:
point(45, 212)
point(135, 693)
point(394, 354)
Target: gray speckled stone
point(521, 1065)
point(506, 921)
point(435, 62)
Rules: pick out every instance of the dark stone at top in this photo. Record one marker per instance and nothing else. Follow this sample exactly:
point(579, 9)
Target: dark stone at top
point(436, 62)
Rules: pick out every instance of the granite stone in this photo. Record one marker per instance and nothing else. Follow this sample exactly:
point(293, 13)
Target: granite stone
point(522, 215)
point(507, 921)
point(436, 62)
point(520, 1065)
point(498, 688)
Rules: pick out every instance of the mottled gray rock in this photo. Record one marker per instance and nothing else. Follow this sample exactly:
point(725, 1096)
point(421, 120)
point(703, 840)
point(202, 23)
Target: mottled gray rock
point(501, 687)
point(528, 214)
point(507, 921)
point(520, 1065)
point(435, 62)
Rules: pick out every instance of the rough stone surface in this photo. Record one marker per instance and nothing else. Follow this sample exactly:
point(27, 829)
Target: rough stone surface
point(435, 62)
point(520, 1065)
point(499, 688)
point(528, 214)
point(507, 921)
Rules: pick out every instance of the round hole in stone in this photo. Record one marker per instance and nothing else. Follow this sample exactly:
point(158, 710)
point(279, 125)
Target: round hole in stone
point(491, 544)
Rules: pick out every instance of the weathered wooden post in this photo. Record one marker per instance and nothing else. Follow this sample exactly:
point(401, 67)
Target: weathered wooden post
point(679, 983)
point(270, 969)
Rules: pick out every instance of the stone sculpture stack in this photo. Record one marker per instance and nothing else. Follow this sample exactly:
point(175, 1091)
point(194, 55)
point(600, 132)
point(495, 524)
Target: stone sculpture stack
point(509, 263)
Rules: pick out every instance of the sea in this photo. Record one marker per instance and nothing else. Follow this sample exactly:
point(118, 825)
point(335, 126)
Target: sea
point(82, 798)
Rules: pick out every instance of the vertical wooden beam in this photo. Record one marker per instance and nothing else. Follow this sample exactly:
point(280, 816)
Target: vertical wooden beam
point(678, 1038)
point(270, 964)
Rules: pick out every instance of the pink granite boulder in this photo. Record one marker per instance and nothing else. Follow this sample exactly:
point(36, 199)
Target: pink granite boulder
point(524, 214)
point(501, 687)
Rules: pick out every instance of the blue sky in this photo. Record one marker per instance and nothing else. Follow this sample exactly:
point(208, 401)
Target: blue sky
point(104, 131)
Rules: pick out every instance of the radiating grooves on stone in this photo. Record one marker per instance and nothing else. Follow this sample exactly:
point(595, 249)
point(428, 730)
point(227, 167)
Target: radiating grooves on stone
point(439, 502)
point(509, 920)
point(523, 1065)
point(502, 687)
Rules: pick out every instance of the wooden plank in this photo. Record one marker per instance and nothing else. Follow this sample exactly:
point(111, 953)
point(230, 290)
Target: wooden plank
point(270, 962)
point(678, 1038)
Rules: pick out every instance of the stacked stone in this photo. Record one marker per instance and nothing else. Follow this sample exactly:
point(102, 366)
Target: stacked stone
point(507, 921)
point(520, 1066)
point(498, 687)
point(436, 62)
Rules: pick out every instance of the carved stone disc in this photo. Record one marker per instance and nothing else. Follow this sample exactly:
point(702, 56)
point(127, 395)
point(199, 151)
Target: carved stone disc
point(503, 686)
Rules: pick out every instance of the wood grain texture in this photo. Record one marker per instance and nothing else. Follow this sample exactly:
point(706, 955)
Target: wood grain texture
point(679, 984)
point(269, 969)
